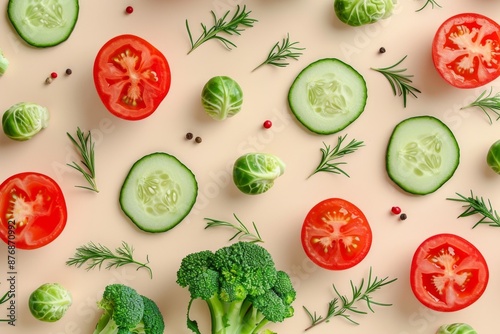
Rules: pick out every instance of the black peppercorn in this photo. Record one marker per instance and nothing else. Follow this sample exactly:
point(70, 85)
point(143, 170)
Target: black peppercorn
point(189, 136)
point(403, 216)
point(381, 50)
point(198, 140)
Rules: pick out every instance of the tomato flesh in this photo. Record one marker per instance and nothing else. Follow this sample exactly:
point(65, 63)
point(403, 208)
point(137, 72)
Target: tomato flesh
point(466, 50)
point(131, 76)
point(336, 234)
point(32, 210)
point(448, 273)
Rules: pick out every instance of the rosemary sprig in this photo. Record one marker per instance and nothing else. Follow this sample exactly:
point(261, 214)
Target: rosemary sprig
point(5, 298)
point(487, 103)
point(85, 147)
point(280, 52)
point(433, 3)
point(476, 205)
point(242, 232)
point(340, 305)
point(95, 255)
point(234, 26)
point(400, 83)
point(329, 155)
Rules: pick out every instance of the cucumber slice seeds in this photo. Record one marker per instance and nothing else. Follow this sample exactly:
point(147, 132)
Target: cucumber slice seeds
point(327, 96)
point(158, 192)
point(422, 155)
point(43, 23)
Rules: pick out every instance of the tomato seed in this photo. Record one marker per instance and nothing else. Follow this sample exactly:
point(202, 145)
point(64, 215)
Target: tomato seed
point(403, 216)
point(129, 9)
point(396, 210)
point(189, 136)
point(267, 124)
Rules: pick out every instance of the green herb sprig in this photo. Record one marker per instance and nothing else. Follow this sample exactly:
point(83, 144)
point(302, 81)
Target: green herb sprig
point(341, 305)
point(400, 83)
point(242, 231)
point(85, 147)
point(433, 3)
point(95, 255)
point(236, 24)
point(281, 52)
point(487, 103)
point(476, 205)
point(329, 156)
point(5, 298)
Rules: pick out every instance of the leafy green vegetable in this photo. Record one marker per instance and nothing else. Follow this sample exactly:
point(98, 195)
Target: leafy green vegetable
point(24, 120)
point(476, 205)
point(493, 157)
point(234, 26)
point(94, 255)
point(222, 97)
point(427, 2)
point(85, 147)
point(487, 103)
point(329, 155)
point(4, 63)
point(281, 52)
point(456, 328)
point(255, 173)
point(358, 293)
point(49, 302)
point(400, 83)
point(361, 12)
point(242, 232)
point(243, 289)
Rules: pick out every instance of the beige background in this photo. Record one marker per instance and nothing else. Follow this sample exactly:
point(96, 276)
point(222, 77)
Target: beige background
point(73, 102)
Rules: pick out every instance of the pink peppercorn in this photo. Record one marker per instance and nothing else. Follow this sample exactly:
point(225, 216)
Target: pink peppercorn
point(129, 9)
point(267, 124)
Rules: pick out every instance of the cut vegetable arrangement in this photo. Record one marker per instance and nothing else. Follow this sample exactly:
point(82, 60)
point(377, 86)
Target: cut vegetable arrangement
point(327, 96)
point(158, 192)
point(422, 155)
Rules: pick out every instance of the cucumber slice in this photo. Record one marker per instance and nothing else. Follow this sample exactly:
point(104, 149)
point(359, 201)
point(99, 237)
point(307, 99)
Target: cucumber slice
point(158, 192)
point(327, 96)
point(422, 155)
point(43, 23)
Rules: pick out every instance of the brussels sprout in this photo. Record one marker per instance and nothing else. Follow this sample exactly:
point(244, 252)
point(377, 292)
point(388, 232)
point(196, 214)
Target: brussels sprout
point(4, 63)
point(360, 12)
point(457, 328)
point(493, 157)
point(221, 97)
point(24, 120)
point(49, 302)
point(254, 173)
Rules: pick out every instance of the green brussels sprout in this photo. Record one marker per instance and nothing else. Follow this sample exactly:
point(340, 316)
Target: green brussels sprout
point(254, 173)
point(4, 63)
point(49, 302)
point(221, 97)
point(24, 120)
point(493, 157)
point(360, 12)
point(457, 328)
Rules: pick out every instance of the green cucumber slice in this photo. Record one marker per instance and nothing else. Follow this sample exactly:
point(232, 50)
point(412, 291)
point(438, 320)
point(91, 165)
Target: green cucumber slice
point(327, 96)
point(422, 155)
point(158, 192)
point(43, 23)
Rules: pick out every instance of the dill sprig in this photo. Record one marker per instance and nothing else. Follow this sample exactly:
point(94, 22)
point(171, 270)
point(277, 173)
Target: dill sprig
point(85, 147)
point(234, 26)
point(476, 205)
point(341, 305)
point(281, 52)
point(95, 255)
point(433, 3)
point(329, 155)
point(242, 232)
point(400, 83)
point(487, 103)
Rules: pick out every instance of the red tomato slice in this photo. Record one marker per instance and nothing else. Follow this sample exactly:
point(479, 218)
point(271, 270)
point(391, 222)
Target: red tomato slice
point(466, 50)
point(131, 76)
point(336, 235)
point(448, 273)
point(32, 210)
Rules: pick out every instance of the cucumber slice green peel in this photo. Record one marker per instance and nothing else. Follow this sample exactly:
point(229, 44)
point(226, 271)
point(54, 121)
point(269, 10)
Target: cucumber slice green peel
point(327, 96)
point(158, 192)
point(422, 155)
point(43, 23)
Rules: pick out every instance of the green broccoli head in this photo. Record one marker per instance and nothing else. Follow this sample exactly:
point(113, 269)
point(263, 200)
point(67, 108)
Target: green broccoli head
point(152, 320)
point(197, 272)
point(284, 287)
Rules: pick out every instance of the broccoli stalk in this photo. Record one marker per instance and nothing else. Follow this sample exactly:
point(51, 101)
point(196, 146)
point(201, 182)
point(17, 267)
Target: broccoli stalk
point(243, 289)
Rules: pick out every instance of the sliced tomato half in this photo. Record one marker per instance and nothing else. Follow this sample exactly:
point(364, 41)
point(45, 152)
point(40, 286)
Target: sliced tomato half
point(466, 50)
point(336, 234)
point(32, 210)
point(131, 77)
point(448, 273)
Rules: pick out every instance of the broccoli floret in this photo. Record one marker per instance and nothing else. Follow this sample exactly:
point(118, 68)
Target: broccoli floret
point(125, 311)
point(241, 285)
